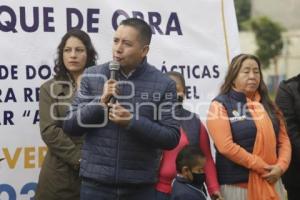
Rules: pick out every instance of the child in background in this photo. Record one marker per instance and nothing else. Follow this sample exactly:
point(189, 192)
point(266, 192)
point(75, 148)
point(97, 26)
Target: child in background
point(189, 182)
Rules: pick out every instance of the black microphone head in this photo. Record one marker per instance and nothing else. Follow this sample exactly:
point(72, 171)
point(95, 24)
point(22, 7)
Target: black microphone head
point(114, 66)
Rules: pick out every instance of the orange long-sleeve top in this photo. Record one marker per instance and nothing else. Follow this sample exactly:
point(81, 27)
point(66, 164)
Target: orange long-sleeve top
point(219, 128)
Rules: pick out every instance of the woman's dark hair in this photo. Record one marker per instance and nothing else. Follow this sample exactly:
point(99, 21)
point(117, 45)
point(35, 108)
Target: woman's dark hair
point(232, 73)
point(188, 157)
point(178, 76)
point(59, 66)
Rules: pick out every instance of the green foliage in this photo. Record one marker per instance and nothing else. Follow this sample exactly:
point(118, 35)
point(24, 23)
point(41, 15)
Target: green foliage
point(243, 12)
point(269, 39)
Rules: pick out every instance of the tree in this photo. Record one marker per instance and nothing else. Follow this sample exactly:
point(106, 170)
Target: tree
point(269, 40)
point(243, 12)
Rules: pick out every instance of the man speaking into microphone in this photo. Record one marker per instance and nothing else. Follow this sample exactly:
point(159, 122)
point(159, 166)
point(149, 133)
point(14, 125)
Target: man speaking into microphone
point(126, 108)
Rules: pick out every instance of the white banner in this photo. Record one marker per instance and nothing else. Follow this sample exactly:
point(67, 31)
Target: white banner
point(195, 37)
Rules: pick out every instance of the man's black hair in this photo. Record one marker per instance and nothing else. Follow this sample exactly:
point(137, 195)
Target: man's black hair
point(142, 27)
point(188, 156)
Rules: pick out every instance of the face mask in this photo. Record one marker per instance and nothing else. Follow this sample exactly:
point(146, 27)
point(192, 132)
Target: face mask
point(179, 99)
point(198, 179)
point(179, 105)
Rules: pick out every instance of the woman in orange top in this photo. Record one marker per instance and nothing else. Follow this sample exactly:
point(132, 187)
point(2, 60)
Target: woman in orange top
point(252, 146)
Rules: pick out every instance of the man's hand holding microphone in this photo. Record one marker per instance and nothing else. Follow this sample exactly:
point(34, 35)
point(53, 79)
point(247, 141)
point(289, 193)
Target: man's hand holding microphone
point(117, 113)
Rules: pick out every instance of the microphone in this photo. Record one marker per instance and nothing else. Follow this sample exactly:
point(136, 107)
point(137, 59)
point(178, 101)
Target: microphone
point(114, 67)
